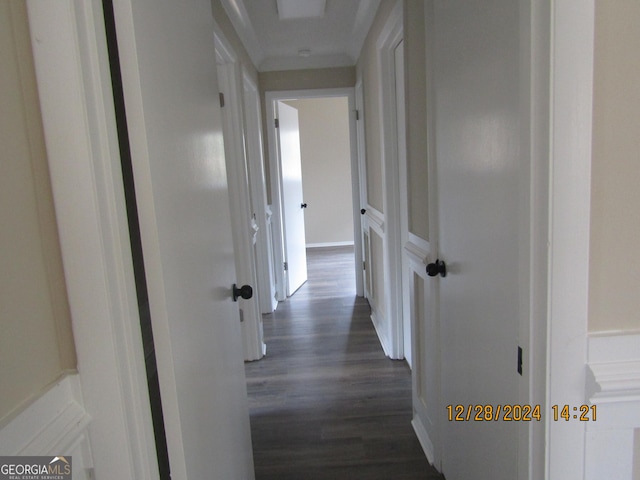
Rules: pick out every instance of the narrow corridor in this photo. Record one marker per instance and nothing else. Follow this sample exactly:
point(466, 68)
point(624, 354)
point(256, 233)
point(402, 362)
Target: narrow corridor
point(325, 401)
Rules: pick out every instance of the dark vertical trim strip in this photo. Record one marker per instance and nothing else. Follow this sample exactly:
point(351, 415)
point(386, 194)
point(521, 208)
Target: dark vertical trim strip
point(136, 241)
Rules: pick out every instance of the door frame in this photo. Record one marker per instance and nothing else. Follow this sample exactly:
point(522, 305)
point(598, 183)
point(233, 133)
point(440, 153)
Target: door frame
point(76, 98)
point(571, 113)
point(271, 97)
point(245, 236)
point(258, 184)
point(427, 421)
point(363, 273)
point(394, 219)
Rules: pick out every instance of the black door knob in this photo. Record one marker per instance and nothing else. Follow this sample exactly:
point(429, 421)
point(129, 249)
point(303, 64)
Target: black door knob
point(437, 268)
point(363, 211)
point(303, 205)
point(245, 292)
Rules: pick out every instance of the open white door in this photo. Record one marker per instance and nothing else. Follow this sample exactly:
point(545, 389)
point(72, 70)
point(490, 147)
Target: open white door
point(483, 196)
point(295, 248)
point(168, 67)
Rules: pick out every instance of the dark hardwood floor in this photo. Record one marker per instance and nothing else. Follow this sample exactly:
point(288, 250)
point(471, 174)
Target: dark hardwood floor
point(326, 403)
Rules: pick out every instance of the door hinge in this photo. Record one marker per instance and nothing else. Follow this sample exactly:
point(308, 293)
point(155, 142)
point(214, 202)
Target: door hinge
point(277, 123)
point(286, 266)
point(357, 115)
point(364, 265)
point(519, 359)
point(221, 99)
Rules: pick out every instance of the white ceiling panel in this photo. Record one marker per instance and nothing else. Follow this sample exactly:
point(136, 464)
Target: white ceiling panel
point(295, 9)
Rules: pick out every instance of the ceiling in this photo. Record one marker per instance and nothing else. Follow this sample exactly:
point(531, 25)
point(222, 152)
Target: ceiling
point(333, 39)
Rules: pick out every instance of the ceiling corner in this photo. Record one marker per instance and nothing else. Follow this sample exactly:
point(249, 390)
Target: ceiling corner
point(367, 10)
point(237, 13)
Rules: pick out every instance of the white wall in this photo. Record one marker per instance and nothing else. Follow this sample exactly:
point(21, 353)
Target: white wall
point(326, 169)
point(613, 243)
point(615, 218)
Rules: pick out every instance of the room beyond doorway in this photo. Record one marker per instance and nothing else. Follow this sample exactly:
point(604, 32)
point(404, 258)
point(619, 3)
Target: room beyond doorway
point(326, 170)
point(330, 179)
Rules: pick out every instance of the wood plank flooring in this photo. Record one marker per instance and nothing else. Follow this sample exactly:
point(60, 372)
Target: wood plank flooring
point(326, 403)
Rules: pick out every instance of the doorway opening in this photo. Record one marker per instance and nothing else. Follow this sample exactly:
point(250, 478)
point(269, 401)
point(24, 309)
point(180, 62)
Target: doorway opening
point(316, 202)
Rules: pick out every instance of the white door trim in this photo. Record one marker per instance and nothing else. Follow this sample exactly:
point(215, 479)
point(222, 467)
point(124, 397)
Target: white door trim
point(255, 162)
point(390, 37)
point(572, 36)
point(239, 194)
point(427, 399)
point(535, 40)
point(74, 86)
point(360, 225)
point(276, 177)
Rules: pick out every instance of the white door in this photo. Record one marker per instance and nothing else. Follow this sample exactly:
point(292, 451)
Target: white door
point(175, 129)
point(295, 248)
point(481, 123)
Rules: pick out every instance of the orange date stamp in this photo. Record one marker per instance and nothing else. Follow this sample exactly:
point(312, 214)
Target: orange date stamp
point(493, 413)
point(518, 413)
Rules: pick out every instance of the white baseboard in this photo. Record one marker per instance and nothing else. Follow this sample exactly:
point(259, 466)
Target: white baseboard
point(53, 424)
point(613, 386)
point(423, 438)
point(379, 325)
point(330, 244)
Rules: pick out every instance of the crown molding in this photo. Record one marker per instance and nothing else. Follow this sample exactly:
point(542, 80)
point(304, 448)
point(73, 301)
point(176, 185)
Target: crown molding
point(237, 13)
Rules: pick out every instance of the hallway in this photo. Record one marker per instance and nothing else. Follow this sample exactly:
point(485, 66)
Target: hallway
point(325, 401)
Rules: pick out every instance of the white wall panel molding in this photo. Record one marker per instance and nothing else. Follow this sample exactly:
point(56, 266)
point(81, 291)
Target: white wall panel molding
point(417, 251)
point(613, 386)
point(375, 220)
point(267, 256)
point(425, 374)
point(53, 424)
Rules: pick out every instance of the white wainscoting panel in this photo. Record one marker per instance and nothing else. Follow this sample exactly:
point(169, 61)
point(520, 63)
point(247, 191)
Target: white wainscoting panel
point(425, 347)
point(613, 385)
point(54, 424)
point(376, 282)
